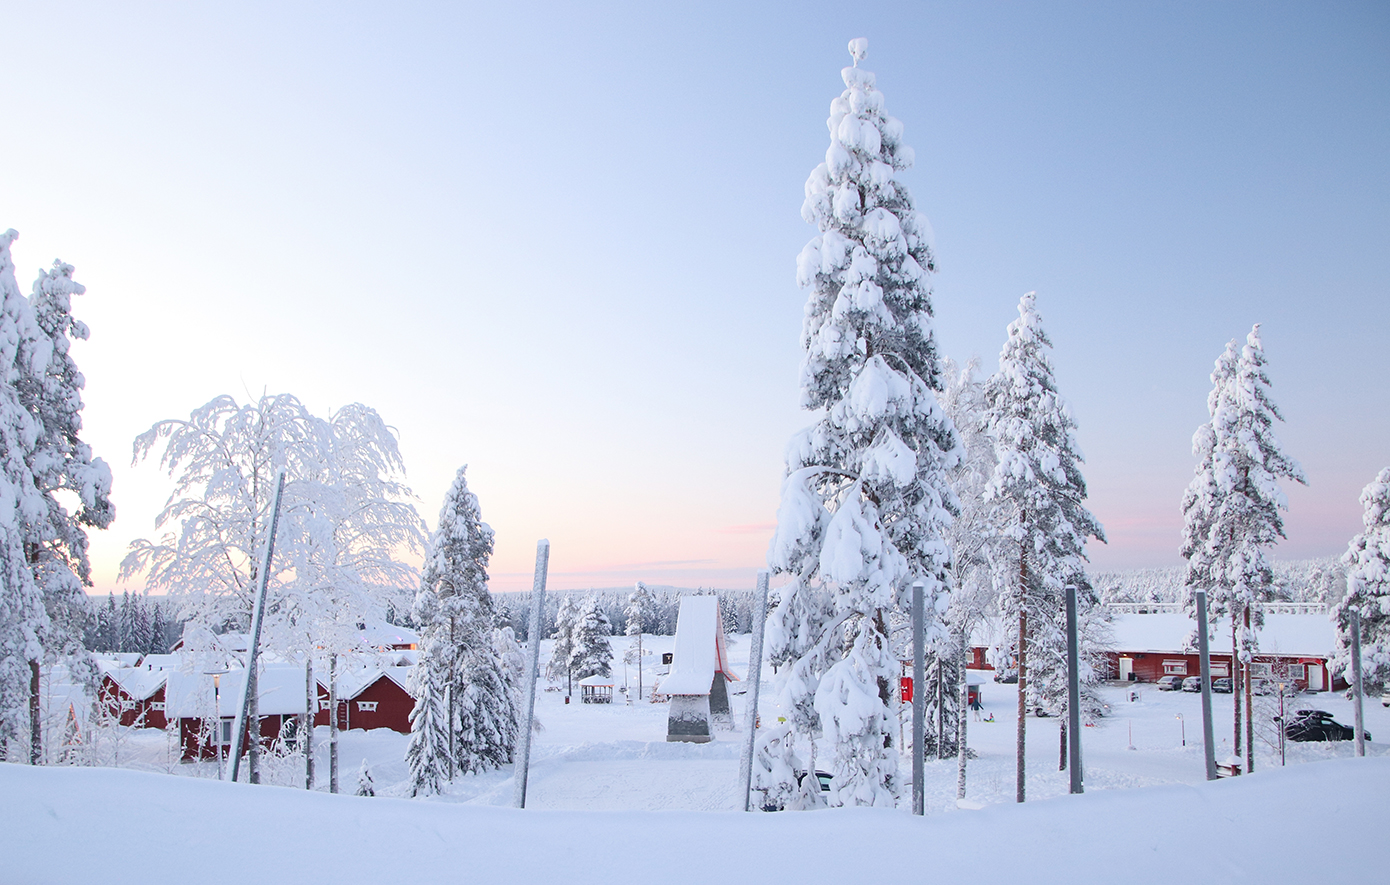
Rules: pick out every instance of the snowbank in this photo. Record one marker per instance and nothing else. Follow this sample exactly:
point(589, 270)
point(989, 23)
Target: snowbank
point(106, 825)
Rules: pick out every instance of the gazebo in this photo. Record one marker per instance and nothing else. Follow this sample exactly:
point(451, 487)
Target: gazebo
point(596, 689)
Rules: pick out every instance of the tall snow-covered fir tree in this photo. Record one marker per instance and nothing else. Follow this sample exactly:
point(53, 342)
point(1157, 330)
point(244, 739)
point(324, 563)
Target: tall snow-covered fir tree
point(1038, 484)
point(1232, 507)
point(865, 498)
point(45, 463)
point(593, 654)
point(460, 675)
point(1368, 590)
point(561, 664)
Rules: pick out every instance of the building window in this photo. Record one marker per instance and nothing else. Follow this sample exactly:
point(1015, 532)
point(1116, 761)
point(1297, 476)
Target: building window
point(1175, 668)
point(1259, 670)
point(225, 732)
point(366, 706)
point(157, 705)
point(1297, 671)
point(1220, 669)
point(323, 704)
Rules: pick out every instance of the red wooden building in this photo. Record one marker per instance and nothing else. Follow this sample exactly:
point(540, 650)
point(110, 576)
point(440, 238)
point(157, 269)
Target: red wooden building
point(134, 696)
point(375, 697)
point(1156, 641)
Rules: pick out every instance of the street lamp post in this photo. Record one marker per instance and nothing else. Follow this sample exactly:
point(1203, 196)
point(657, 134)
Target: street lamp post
point(1182, 724)
point(217, 715)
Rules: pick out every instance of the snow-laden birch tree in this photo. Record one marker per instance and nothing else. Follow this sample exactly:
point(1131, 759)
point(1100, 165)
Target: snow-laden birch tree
point(865, 498)
point(347, 523)
point(1232, 507)
point(1368, 590)
point(1038, 484)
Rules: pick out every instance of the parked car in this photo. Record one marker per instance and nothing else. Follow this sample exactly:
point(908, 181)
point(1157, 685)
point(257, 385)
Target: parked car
point(1318, 725)
point(1222, 685)
point(1192, 683)
point(823, 776)
point(1170, 683)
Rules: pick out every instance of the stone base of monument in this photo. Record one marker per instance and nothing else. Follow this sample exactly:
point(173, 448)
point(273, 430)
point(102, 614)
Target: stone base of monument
point(689, 719)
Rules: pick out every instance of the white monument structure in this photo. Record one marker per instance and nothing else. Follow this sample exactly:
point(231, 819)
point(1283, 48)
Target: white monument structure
point(697, 684)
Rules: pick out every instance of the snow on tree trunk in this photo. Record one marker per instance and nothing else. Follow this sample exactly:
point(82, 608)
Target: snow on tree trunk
point(865, 499)
point(1038, 483)
point(1368, 591)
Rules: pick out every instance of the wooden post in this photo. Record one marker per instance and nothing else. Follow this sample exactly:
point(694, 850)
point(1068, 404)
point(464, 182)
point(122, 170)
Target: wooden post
point(1074, 691)
point(1249, 705)
point(35, 722)
point(919, 700)
point(1204, 647)
point(333, 723)
point(311, 698)
point(755, 672)
point(250, 703)
point(533, 660)
point(1356, 681)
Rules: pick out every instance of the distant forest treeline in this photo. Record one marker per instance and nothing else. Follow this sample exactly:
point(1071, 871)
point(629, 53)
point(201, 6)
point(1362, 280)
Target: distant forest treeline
point(149, 624)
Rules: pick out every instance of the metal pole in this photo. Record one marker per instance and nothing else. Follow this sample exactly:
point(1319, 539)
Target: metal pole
point(257, 616)
point(533, 660)
point(1203, 646)
point(755, 672)
point(1073, 693)
point(919, 700)
point(1356, 681)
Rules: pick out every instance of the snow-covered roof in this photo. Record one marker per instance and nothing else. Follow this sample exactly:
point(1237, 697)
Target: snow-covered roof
point(137, 682)
point(379, 634)
point(978, 677)
point(1302, 635)
point(353, 682)
point(281, 692)
point(161, 662)
point(700, 649)
point(597, 679)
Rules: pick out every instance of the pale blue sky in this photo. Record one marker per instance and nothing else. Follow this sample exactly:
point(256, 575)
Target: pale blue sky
point(557, 242)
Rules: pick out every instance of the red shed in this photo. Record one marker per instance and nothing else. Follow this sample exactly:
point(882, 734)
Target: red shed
point(133, 695)
point(374, 697)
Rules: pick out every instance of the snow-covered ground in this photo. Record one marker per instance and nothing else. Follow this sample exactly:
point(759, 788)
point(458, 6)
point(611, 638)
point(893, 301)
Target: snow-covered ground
point(597, 770)
point(615, 757)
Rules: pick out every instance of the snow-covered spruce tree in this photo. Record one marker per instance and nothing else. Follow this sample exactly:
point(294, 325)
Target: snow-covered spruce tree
point(46, 611)
point(593, 655)
point(1368, 591)
point(23, 619)
point(347, 523)
point(1038, 485)
point(865, 498)
point(561, 664)
point(641, 615)
point(460, 662)
point(1232, 507)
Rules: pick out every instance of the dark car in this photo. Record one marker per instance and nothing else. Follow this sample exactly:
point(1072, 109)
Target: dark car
point(1222, 685)
point(1192, 683)
point(1170, 683)
point(1318, 725)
